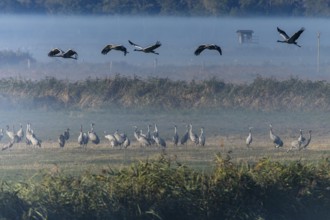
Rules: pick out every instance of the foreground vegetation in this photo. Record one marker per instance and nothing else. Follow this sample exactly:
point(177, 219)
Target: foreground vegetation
point(166, 189)
point(261, 94)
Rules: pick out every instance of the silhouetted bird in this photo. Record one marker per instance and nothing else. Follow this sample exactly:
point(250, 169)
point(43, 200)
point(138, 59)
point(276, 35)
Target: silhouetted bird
point(292, 39)
point(150, 49)
point(70, 54)
point(56, 52)
point(202, 47)
point(110, 47)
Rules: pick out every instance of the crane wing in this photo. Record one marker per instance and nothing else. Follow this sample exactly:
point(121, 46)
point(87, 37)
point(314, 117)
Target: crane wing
point(106, 49)
point(71, 54)
point(216, 47)
point(199, 50)
point(55, 52)
point(135, 45)
point(297, 34)
point(121, 48)
point(283, 34)
point(153, 47)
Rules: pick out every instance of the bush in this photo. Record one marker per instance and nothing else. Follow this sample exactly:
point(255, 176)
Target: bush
point(166, 189)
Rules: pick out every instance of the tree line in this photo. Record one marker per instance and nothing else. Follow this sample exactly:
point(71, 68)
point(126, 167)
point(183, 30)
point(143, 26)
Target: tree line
point(170, 7)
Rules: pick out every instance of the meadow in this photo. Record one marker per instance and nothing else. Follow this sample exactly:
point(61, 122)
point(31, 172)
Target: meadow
point(184, 182)
point(224, 179)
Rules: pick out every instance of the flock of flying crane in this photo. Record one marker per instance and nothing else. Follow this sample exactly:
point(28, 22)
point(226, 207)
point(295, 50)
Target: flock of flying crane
point(144, 140)
point(72, 54)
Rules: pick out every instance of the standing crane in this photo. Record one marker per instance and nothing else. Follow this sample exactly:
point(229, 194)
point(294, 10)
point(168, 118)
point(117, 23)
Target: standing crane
point(249, 138)
point(306, 142)
point(185, 137)
point(67, 134)
point(175, 138)
point(301, 138)
point(11, 134)
point(126, 143)
point(61, 140)
point(290, 40)
point(159, 141)
point(83, 137)
point(193, 137)
point(120, 137)
point(111, 137)
point(201, 138)
point(276, 139)
point(149, 136)
point(20, 133)
point(296, 144)
point(32, 138)
point(141, 139)
point(92, 136)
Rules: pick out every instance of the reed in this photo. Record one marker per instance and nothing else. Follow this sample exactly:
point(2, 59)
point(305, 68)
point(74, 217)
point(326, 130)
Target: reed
point(164, 188)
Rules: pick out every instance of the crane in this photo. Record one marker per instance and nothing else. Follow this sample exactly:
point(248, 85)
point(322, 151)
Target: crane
point(193, 137)
point(12, 135)
point(141, 139)
point(201, 138)
point(83, 137)
point(290, 40)
point(185, 137)
point(159, 141)
point(56, 52)
point(249, 138)
point(110, 47)
point(126, 143)
point(276, 139)
point(202, 47)
point(175, 138)
point(32, 138)
point(296, 144)
point(67, 134)
point(72, 54)
point(149, 49)
point(61, 140)
point(111, 137)
point(92, 136)
point(306, 142)
point(20, 133)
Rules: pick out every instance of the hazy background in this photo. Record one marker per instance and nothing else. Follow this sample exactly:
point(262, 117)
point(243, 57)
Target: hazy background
point(180, 36)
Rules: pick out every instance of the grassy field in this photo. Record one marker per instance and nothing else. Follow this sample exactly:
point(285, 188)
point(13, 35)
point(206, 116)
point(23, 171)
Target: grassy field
point(22, 162)
point(226, 130)
point(186, 182)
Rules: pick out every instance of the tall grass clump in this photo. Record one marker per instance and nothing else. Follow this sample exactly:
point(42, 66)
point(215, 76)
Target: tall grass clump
point(166, 189)
point(135, 92)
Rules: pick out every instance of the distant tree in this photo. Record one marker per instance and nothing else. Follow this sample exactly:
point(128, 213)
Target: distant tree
point(317, 7)
point(12, 57)
point(216, 7)
point(170, 7)
point(174, 7)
